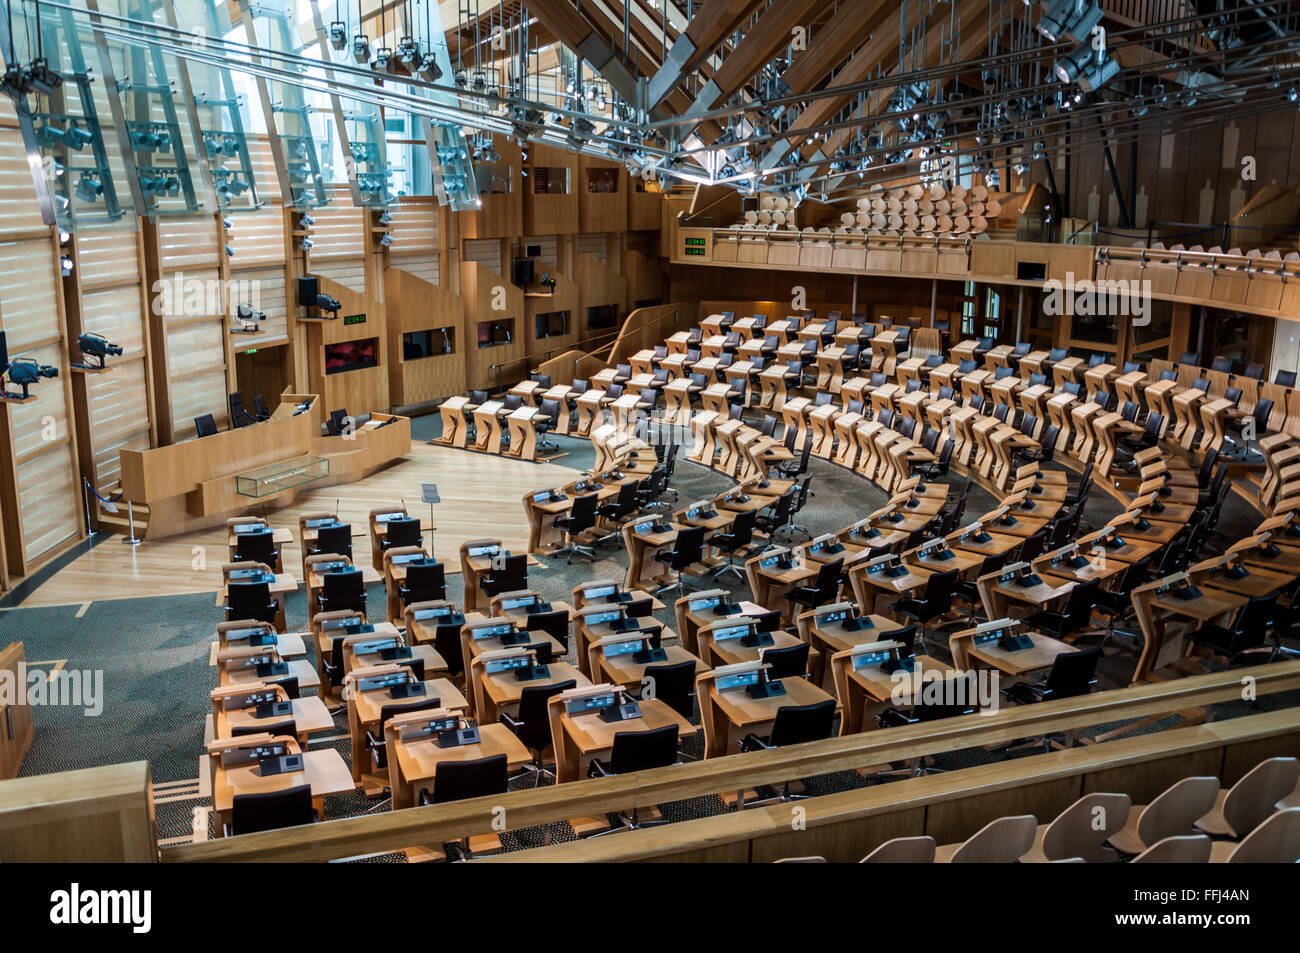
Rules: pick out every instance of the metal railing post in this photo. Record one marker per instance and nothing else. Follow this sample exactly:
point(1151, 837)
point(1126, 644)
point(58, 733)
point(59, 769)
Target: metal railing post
point(130, 522)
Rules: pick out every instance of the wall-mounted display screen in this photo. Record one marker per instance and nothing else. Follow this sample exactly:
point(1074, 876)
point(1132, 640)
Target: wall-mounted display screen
point(351, 355)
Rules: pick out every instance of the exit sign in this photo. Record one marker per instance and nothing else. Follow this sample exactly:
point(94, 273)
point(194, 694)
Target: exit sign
point(354, 319)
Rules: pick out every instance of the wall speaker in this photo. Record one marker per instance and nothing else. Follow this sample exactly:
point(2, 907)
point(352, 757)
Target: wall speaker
point(524, 271)
point(308, 289)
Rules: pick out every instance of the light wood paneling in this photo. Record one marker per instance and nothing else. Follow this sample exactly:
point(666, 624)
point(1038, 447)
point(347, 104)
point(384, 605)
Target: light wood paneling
point(94, 815)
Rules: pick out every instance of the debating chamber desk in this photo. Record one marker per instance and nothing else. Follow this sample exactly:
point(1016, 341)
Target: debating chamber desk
point(201, 482)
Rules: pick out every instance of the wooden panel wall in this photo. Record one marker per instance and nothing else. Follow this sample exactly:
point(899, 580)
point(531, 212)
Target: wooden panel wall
point(106, 295)
point(1193, 176)
point(40, 471)
point(183, 259)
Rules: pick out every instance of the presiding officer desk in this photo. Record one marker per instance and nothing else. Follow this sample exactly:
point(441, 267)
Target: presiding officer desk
point(192, 485)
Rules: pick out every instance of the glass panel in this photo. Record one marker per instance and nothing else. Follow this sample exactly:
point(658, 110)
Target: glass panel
point(275, 477)
point(304, 122)
point(83, 169)
point(151, 88)
point(224, 107)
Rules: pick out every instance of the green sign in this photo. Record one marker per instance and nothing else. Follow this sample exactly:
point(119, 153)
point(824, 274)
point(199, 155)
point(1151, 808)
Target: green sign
point(354, 319)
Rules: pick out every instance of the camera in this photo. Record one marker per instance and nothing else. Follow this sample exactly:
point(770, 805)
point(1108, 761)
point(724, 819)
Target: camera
point(96, 346)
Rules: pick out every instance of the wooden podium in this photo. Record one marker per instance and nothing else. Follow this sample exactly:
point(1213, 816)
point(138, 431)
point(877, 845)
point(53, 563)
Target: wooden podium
point(455, 421)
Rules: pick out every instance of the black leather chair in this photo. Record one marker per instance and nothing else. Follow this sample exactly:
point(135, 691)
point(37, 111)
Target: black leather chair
point(788, 662)
point(260, 408)
point(580, 518)
point(532, 726)
point(1248, 634)
point(425, 582)
point(674, 685)
point(342, 589)
point(205, 425)
point(376, 744)
point(337, 422)
point(332, 539)
point(239, 415)
point(402, 532)
point(825, 587)
point(258, 547)
point(793, 725)
point(636, 751)
point(462, 780)
point(739, 541)
point(623, 506)
point(1075, 615)
point(511, 577)
point(1071, 674)
point(250, 600)
point(934, 601)
point(271, 810)
point(547, 419)
point(686, 552)
point(554, 623)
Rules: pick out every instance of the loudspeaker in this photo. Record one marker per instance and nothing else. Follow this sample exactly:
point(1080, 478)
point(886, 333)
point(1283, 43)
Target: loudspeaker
point(4, 353)
point(308, 289)
point(524, 272)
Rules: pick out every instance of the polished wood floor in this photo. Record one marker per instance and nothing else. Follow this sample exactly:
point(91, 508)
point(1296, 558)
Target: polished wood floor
point(480, 500)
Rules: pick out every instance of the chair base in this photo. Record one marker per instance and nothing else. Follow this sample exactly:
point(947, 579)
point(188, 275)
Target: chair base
point(568, 552)
point(628, 822)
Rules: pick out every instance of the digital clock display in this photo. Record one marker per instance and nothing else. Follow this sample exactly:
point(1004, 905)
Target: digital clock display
point(354, 319)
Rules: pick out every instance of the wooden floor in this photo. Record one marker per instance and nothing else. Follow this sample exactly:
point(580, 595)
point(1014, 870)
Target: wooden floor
point(480, 500)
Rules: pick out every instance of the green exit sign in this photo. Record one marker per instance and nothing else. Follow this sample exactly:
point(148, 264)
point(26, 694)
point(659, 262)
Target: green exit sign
point(354, 319)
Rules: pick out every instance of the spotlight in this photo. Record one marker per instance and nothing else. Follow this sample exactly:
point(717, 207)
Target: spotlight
point(339, 35)
point(78, 138)
point(383, 60)
point(306, 221)
point(408, 51)
point(429, 68)
point(50, 136)
point(65, 265)
point(88, 187)
point(384, 218)
point(1074, 18)
point(385, 240)
point(360, 48)
point(230, 252)
point(305, 244)
point(991, 179)
point(1293, 94)
point(43, 79)
point(96, 346)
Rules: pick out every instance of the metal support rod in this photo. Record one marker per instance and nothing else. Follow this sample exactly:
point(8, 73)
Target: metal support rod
point(130, 522)
point(1125, 216)
point(85, 496)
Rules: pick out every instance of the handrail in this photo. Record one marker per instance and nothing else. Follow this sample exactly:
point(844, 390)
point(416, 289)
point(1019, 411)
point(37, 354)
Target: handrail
point(439, 823)
point(912, 796)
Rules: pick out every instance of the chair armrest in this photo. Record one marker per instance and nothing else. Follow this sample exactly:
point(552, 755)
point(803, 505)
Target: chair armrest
point(512, 723)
